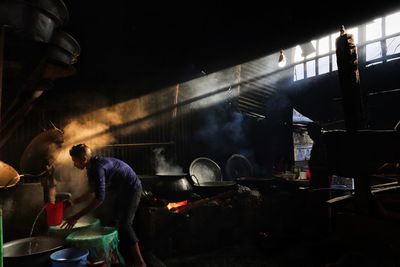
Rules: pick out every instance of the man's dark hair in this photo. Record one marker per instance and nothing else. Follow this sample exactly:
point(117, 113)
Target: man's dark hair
point(80, 150)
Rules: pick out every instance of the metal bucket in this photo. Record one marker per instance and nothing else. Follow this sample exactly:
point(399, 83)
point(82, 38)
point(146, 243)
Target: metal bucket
point(31, 251)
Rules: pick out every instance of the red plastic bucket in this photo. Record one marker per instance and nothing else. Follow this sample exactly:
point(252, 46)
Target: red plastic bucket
point(55, 213)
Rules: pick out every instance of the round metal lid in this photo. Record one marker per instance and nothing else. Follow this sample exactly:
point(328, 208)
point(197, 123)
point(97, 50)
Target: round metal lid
point(204, 170)
point(238, 166)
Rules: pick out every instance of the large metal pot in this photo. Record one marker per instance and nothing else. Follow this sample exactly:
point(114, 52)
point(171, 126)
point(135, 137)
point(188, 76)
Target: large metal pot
point(31, 251)
point(33, 20)
point(206, 176)
point(64, 48)
point(172, 187)
point(208, 189)
point(8, 175)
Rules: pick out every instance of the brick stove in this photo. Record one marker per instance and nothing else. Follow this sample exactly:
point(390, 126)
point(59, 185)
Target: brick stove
point(201, 224)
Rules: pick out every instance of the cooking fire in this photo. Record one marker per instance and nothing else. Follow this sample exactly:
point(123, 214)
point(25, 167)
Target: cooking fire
point(174, 205)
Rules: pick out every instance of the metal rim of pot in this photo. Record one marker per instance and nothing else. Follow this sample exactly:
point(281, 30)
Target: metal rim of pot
point(48, 243)
point(171, 175)
point(9, 175)
point(209, 187)
point(210, 164)
point(12, 182)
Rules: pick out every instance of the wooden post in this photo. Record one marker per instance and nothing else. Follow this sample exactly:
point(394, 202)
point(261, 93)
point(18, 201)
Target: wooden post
point(353, 105)
point(349, 78)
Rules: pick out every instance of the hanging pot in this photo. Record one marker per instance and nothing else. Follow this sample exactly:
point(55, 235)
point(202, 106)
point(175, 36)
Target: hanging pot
point(33, 20)
point(172, 187)
point(64, 49)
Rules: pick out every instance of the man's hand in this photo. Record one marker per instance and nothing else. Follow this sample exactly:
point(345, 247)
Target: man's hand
point(69, 223)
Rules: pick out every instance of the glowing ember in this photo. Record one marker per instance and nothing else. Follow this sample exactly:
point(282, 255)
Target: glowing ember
point(174, 205)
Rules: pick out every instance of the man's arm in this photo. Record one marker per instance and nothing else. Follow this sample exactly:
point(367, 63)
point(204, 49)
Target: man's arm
point(72, 220)
point(82, 198)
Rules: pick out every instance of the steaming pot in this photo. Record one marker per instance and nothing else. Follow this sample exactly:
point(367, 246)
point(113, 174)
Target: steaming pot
point(172, 187)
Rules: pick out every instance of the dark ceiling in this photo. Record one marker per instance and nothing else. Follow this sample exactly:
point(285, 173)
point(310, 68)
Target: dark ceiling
point(159, 44)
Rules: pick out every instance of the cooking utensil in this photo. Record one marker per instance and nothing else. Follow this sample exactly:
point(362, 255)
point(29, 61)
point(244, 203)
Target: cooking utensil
point(35, 20)
point(31, 251)
point(213, 188)
point(64, 48)
point(238, 166)
point(8, 175)
point(205, 170)
point(207, 178)
point(172, 187)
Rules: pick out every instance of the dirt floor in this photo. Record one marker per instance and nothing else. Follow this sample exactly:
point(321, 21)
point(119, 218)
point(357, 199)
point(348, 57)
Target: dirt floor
point(329, 252)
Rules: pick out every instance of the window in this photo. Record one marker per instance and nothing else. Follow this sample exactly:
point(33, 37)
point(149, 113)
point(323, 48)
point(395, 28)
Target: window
point(354, 32)
point(393, 45)
point(373, 51)
point(392, 24)
point(297, 54)
point(323, 60)
point(323, 45)
point(310, 68)
point(334, 62)
point(310, 47)
point(323, 65)
point(374, 30)
point(298, 72)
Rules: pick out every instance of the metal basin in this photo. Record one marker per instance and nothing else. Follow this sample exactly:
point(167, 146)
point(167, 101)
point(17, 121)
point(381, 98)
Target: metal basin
point(207, 189)
point(31, 251)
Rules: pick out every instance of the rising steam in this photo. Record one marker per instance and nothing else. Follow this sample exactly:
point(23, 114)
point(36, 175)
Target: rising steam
point(91, 130)
point(162, 165)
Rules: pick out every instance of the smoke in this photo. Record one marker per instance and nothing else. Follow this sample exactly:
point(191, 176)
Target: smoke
point(221, 132)
point(163, 166)
point(91, 129)
point(234, 127)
